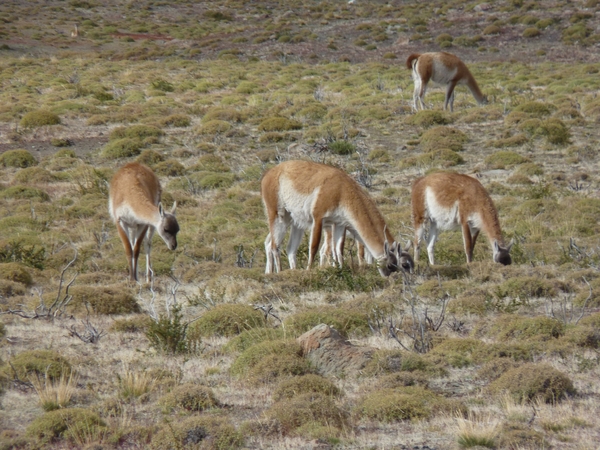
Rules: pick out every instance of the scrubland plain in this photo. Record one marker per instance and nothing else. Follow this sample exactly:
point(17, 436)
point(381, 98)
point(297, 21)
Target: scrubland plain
point(210, 95)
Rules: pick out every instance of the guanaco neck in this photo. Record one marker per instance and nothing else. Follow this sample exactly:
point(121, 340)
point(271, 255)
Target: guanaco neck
point(491, 223)
point(474, 88)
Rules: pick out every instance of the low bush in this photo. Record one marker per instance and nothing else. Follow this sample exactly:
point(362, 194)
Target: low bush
point(104, 299)
point(406, 403)
point(213, 127)
point(248, 338)
point(279, 124)
point(256, 353)
point(346, 321)
point(310, 383)
point(428, 118)
point(139, 132)
point(505, 159)
point(443, 137)
point(198, 432)
point(76, 425)
point(39, 118)
point(443, 157)
point(34, 175)
point(19, 158)
point(42, 363)
point(150, 157)
point(534, 381)
point(226, 320)
point(122, 148)
point(304, 414)
point(188, 397)
point(15, 272)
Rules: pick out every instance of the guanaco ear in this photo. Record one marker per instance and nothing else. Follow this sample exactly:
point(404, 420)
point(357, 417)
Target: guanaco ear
point(496, 246)
point(386, 247)
point(408, 246)
point(510, 244)
point(161, 211)
point(174, 208)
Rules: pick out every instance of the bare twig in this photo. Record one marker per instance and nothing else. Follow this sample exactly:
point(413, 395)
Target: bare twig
point(267, 311)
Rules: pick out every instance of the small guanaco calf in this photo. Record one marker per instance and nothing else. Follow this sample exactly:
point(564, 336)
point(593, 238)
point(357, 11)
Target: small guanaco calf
point(135, 206)
point(443, 68)
point(447, 201)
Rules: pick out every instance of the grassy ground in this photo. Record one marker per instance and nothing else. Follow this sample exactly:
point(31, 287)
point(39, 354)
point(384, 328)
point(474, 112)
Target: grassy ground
point(211, 94)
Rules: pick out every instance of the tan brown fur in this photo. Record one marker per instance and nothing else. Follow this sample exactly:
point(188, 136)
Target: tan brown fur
point(443, 68)
point(303, 195)
point(134, 204)
point(447, 200)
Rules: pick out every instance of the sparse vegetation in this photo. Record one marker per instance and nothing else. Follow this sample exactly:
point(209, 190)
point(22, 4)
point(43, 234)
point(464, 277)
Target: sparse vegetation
point(206, 355)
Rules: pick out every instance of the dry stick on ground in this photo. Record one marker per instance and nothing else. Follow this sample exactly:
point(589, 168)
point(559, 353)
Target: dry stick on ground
point(422, 323)
point(566, 311)
point(57, 308)
point(90, 334)
point(267, 311)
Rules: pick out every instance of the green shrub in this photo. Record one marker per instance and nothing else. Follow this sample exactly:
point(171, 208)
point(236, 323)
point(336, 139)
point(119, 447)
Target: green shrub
point(64, 153)
point(225, 114)
point(255, 354)
point(122, 148)
point(535, 109)
point(457, 352)
point(15, 272)
point(504, 159)
point(491, 29)
point(310, 383)
point(520, 436)
point(214, 127)
point(248, 338)
point(531, 32)
point(169, 334)
point(17, 158)
point(305, 413)
point(346, 321)
point(176, 120)
point(226, 320)
point(275, 366)
point(34, 175)
point(136, 324)
point(555, 131)
point(428, 118)
point(162, 85)
point(169, 168)
point(210, 163)
point(443, 137)
point(443, 157)
point(534, 381)
point(279, 124)
point(393, 361)
point(526, 287)
point(188, 397)
point(74, 424)
point(150, 157)
point(216, 180)
point(342, 148)
point(104, 299)
point(135, 132)
point(406, 403)
point(43, 363)
point(39, 118)
point(24, 252)
point(198, 432)
point(520, 328)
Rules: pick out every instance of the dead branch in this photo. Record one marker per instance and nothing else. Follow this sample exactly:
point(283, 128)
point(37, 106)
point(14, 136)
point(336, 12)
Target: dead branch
point(267, 311)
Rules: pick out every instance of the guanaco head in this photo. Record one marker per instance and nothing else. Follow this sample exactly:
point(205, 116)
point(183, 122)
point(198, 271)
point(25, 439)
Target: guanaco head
point(501, 254)
point(168, 227)
point(395, 259)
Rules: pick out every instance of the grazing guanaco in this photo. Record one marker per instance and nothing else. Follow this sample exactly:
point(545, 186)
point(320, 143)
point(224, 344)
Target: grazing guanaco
point(135, 206)
point(443, 68)
point(447, 201)
point(301, 194)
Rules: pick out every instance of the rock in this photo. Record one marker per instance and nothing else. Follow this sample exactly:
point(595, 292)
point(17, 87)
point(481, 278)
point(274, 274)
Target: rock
point(331, 354)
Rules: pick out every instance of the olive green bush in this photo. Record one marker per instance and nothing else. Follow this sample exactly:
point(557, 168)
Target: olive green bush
point(17, 158)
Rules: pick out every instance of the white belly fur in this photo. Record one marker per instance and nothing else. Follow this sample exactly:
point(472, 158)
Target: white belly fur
point(448, 218)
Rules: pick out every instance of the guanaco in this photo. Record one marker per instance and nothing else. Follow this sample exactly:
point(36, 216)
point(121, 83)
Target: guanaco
point(443, 68)
point(303, 195)
point(446, 201)
point(135, 206)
